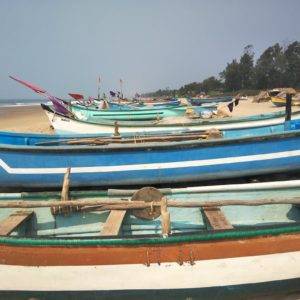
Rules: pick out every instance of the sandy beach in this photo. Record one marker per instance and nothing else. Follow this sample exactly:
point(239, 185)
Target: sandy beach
point(24, 119)
point(33, 119)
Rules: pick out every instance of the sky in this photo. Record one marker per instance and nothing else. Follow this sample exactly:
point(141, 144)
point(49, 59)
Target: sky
point(64, 45)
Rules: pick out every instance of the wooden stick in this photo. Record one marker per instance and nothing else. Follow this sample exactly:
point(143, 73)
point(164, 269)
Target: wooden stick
point(64, 195)
point(125, 204)
point(66, 185)
point(165, 217)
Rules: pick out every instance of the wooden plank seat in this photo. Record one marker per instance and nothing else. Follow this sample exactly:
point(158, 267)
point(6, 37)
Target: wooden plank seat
point(13, 221)
point(216, 218)
point(113, 223)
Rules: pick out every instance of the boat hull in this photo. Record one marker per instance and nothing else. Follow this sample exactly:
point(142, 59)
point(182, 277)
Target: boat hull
point(200, 101)
point(153, 163)
point(282, 102)
point(95, 115)
point(65, 125)
point(191, 268)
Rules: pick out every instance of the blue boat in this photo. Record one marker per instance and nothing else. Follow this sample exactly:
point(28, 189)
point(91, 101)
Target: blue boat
point(200, 101)
point(150, 162)
point(39, 139)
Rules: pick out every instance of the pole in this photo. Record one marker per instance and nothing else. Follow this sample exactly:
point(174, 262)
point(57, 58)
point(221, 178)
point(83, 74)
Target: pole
point(121, 88)
point(288, 112)
point(99, 79)
point(121, 203)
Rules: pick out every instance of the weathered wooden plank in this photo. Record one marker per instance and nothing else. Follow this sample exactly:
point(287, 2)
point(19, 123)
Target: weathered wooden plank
point(113, 223)
point(216, 219)
point(13, 221)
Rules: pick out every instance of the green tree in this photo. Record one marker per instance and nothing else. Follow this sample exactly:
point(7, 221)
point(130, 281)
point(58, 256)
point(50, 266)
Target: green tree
point(231, 76)
point(246, 68)
point(270, 68)
point(191, 89)
point(292, 71)
point(211, 84)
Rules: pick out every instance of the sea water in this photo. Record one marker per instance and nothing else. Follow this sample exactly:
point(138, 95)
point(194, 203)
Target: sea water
point(21, 102)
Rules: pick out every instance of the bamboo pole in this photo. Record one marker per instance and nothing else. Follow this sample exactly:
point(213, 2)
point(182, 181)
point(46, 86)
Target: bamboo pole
point(127, 204)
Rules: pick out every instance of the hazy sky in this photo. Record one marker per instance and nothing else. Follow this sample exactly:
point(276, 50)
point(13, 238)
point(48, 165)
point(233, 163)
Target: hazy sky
point(63, 45)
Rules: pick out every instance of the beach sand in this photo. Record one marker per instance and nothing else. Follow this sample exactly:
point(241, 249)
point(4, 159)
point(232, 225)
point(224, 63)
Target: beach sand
point(24, 119)
point(33, 119)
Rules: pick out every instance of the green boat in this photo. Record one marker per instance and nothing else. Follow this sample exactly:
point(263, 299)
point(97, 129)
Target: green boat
point(95, 115)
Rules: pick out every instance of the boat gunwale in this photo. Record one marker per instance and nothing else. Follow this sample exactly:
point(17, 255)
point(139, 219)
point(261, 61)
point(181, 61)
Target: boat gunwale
point(156, 239)
point(152, 146)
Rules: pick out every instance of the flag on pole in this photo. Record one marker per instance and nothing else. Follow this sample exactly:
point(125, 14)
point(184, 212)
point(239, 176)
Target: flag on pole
point(59, 105)
point(34, 87)
point(76, 96)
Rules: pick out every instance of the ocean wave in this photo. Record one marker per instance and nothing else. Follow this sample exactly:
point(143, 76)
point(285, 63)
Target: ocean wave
point(21, 104)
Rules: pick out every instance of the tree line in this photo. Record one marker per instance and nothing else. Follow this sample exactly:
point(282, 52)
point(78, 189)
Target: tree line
point(277, 66)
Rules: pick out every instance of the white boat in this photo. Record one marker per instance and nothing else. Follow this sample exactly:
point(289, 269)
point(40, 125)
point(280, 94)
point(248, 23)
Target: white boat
point(66, 125)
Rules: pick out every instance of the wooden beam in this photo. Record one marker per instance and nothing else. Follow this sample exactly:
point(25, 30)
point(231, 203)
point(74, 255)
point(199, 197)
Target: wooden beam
point(216, 219)
point(113, 223)
point(13, 221)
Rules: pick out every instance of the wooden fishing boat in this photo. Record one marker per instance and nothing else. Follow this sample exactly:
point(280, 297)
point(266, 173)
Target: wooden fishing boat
point(200, 101)
point(95, 115)
point(119, 105)
point(38, 139)
point(141, 103)
point(277, 101)
point(184, 245)
point(68, 125)
point(152, 162)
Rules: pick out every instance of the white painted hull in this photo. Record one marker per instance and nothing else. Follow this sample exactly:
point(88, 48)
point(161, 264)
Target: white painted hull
point(64, 125)
point(203, 274)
